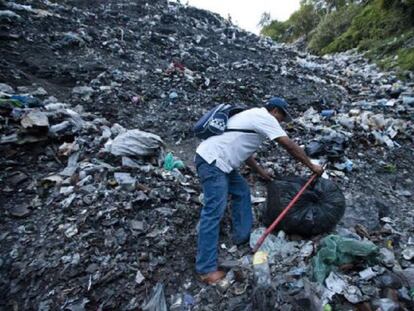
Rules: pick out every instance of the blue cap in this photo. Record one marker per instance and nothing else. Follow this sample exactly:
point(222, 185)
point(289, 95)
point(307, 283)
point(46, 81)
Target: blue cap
point(278, 102)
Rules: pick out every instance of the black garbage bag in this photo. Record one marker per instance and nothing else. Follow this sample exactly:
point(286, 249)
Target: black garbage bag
point(317, 211)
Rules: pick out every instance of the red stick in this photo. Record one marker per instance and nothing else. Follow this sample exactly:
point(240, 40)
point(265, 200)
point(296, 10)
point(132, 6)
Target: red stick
point(283, 214)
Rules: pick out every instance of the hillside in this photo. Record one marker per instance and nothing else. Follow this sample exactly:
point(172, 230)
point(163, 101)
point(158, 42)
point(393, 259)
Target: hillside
point(87, 225)
point(381, 29)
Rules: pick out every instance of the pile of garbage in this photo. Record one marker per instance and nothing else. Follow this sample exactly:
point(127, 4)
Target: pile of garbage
point(100, 199)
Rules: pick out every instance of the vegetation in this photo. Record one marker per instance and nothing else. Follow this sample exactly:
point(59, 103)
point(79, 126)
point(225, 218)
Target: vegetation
point(300, 23)
point(383, 29)
point(330, 27)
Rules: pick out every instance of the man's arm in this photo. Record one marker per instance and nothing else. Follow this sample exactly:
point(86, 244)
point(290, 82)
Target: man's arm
point(252, 163)
point(298, 153)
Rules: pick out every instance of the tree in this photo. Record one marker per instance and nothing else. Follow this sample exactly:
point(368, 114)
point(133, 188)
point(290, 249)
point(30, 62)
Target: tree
point(327, 6)
point(265, 20)
point(304, 20)
point(276, 30)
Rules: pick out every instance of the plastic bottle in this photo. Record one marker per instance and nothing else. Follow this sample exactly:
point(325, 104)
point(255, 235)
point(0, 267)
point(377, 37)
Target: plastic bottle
point(261, 269)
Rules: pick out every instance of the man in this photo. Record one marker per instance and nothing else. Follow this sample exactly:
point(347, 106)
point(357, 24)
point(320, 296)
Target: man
point(217, 161)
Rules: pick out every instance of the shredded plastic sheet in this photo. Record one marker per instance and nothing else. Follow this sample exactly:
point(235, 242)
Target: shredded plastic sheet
point(157, 301)
point(317, 211)
point(336, 250)
point(276, 246)
point(171, 163)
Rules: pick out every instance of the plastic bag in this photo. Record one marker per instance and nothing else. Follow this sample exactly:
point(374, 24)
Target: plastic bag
point(332, 145)
point(157, 300)
point(136, 143)
point(171, 163)
point(276, 246)
point(317, 211)
point(336, 250)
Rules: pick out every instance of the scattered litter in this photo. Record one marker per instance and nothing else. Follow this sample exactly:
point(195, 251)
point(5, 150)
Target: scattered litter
point(139, 278)
point(77, 235)
point(336, 251)
point(157, 301)
point(408, 253)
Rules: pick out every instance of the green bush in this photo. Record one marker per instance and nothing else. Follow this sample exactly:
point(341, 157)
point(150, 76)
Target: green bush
point(299, 24)
point(275, 30)
point(304, 20)
point(388, 4)
point(331, 26)
point(406, 58)
point(382, 29)
point(372, 23)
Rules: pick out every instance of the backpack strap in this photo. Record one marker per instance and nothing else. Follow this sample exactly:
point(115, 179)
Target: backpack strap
point(241, 130)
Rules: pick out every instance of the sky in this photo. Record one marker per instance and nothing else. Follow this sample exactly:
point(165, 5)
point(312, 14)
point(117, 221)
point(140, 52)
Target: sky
point(246, 13)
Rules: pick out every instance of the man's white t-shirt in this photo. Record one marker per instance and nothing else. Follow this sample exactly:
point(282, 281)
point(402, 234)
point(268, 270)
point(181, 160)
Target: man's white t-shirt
point(231, 149)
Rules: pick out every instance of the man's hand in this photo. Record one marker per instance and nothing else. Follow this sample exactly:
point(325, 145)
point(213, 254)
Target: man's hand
point(317, 169)
point(267, 176)
point(251, 162)
point(299, 154)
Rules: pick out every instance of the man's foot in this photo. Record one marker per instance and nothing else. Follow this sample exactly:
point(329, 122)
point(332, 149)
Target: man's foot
point(212, 277)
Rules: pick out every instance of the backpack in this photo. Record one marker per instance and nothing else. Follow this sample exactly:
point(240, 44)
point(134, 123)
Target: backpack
point(214, 122)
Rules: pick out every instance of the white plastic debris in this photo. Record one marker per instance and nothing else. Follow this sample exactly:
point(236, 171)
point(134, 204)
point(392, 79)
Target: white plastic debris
point(335, 283)
point(139, 278)
point(125, 180)
point(277, 247)
point(367, 274)
point(136, 143)
point(70, 230)
point(35, 119)
point(408, 253)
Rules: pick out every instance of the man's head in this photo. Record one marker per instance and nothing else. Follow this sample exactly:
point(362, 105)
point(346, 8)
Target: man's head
point(277, 107)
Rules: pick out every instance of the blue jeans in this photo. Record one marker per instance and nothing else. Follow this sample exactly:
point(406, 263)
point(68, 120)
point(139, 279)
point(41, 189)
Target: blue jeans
point(216, 187)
